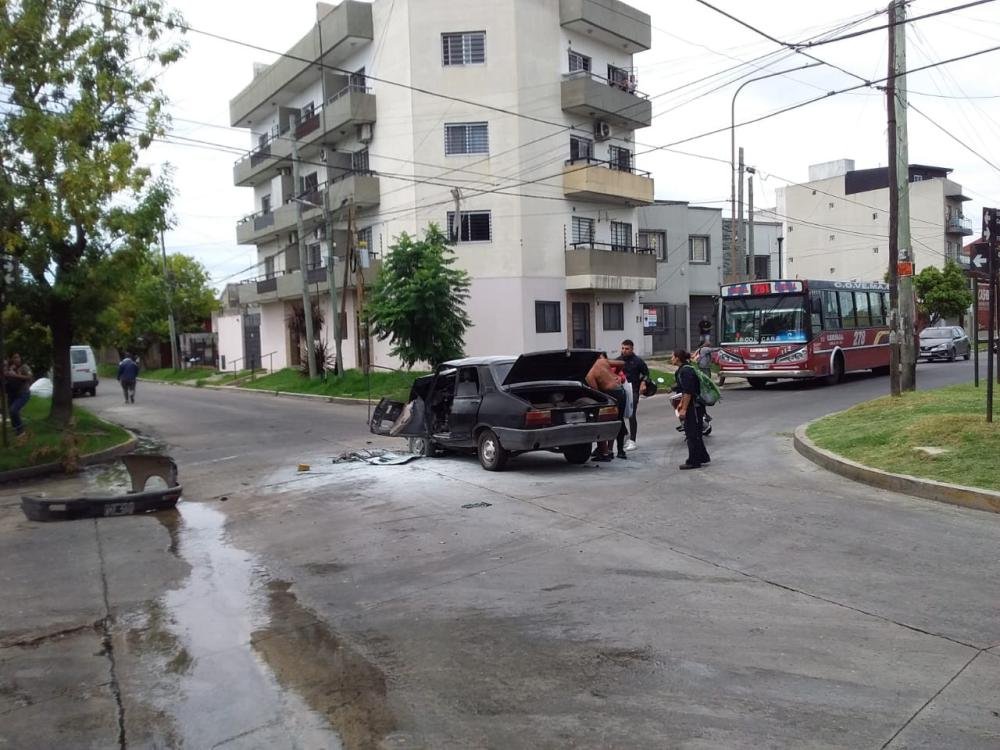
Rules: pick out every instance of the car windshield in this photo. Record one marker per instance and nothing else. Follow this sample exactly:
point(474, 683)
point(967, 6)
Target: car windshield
point(759, 320)
point(935, 333)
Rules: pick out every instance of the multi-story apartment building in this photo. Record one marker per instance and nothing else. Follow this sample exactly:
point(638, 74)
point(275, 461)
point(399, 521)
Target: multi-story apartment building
point(836, 225)
point(509, 123)
point(687, 241)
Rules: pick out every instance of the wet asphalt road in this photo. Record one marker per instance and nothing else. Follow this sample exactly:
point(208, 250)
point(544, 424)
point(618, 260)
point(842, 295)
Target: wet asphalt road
point(761, 602)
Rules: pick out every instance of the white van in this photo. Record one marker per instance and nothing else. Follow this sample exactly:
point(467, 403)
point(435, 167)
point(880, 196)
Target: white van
point(83, 365)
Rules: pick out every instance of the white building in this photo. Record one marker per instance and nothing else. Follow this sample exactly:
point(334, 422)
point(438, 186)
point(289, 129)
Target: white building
point(836, 226)
point(526, 108)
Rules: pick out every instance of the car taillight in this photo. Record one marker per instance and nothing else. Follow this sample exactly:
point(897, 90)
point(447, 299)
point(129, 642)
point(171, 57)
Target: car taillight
point(537, 418)
point(607, 414)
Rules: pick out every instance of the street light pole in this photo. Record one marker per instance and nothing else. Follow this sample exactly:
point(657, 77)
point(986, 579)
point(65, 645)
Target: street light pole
point(738, 231)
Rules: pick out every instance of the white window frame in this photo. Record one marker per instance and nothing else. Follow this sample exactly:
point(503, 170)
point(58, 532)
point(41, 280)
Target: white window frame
point(706, 246)
point(466, 227)
point(585, 63)
point(468, 138)
point(467, 51)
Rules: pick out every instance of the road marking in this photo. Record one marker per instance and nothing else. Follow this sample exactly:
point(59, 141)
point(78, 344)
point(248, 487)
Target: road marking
point(213, 461)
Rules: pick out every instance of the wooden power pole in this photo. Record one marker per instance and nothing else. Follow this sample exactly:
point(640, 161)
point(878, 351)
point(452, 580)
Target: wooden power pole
point(903, 362)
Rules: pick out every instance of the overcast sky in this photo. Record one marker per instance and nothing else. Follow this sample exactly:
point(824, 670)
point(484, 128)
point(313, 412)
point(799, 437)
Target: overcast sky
point(689, 42)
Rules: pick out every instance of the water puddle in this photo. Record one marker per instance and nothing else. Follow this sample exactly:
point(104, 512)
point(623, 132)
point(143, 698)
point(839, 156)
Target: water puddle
point(240, 662)
point(237, 662)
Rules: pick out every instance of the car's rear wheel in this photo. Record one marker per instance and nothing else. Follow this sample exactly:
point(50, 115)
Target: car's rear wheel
point(577, 454)
point(492, 455)
point(757, 383)
point(967, 355)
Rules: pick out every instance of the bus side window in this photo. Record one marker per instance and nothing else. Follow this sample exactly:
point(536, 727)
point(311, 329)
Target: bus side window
point(847, 317)
point(816, 311)
point(861, 314)
point(831, 314)
point(878, 314)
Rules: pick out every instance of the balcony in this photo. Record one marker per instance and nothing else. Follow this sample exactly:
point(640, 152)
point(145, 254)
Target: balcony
point(601, 266)
point(600, 181)
point(609, 21)
point(958, 225)
point(360, 187)
point(618, 103)
point(287, 286)
point(348, 108)
point(343, 30)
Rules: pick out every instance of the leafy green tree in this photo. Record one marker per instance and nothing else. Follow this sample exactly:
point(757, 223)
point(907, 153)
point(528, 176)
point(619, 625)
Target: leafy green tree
point(141, 310)
point(28, 338)
point(942, 293)
point(82, 102)
point(418, 300)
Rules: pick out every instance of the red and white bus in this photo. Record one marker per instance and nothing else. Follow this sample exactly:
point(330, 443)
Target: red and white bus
point(771, 330)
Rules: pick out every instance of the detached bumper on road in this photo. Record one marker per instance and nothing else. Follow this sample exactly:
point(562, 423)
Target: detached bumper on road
point(554, 437)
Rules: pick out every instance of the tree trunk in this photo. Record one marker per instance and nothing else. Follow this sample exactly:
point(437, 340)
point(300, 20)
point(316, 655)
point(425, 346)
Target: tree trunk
point(61, 325)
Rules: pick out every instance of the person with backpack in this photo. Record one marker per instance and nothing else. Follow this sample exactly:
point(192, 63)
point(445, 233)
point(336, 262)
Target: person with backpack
point(689, 386)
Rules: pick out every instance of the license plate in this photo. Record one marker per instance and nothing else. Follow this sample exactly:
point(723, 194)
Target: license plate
point(119, 509)
point(574, 417)
point(758, 365)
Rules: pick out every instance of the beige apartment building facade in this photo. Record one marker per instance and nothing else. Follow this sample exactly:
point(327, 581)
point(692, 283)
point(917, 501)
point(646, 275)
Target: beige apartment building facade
point(836, 225)
point(509, 123)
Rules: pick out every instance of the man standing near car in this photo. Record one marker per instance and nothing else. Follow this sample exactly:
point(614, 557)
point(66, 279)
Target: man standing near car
point(636, 375)
point(602, 378)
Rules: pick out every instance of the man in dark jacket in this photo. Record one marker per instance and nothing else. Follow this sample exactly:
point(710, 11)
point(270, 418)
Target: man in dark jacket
point(636, 375)
point(689, 387)
point(128, 371)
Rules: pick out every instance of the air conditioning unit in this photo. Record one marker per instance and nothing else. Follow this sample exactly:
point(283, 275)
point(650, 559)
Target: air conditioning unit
point(285, 171)
point(322, 154)
point(365, 132)
point(319, 233)
point(602, 130)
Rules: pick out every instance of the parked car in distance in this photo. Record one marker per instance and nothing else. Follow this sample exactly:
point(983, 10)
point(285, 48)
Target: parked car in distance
point(499, 407)
point(944, 342)
point(83, 365)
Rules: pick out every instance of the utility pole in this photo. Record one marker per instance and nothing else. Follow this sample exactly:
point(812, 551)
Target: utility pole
point(781, 264)
point(3, 353)
point(332, 283)
point(890, 94)
point(303, 262)
point(739, 269)
point(170, 305)
point(751, 268)
point(359, 294)
point(899, 184)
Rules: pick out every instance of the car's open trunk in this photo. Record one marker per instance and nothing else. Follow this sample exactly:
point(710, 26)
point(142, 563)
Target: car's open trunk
point(569, 402)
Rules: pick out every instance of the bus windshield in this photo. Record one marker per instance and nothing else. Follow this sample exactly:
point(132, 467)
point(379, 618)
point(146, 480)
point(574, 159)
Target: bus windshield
point(764, 320)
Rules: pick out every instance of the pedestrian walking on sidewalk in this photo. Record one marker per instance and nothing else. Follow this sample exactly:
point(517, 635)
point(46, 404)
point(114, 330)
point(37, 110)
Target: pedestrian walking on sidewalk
point(690, 388)
point(128, 372)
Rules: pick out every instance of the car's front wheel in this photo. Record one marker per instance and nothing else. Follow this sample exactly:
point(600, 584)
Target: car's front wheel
point(577, 454)
point(421, 446)
point(951, 354)
point(492, 455)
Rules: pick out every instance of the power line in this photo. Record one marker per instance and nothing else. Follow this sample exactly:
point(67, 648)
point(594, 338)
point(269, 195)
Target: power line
point(955, 138)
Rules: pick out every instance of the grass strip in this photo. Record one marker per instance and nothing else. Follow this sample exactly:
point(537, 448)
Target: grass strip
point(43, 442)
point(884, 433)
point(352, 384)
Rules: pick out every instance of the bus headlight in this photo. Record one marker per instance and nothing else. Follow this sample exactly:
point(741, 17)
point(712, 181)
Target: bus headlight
point(731, 359)
point(799, 355)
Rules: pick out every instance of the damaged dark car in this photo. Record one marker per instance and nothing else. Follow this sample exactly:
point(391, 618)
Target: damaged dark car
point(499, 407)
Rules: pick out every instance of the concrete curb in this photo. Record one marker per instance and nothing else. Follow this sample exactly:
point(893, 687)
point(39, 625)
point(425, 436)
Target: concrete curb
point(266, 392)
point(929, 489)
point(42, 470)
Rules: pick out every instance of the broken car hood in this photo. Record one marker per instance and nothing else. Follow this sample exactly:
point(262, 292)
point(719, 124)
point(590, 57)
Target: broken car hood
point(561, 364)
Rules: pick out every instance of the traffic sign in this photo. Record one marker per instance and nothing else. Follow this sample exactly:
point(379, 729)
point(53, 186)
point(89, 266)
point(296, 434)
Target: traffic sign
point(904, 268)
point(979, 263)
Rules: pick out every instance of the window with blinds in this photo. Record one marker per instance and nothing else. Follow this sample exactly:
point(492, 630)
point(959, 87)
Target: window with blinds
point(466, 138)
point(463, 48)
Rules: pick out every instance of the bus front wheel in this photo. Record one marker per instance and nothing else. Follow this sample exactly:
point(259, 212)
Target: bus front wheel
point(837, 371)
point(757, 383)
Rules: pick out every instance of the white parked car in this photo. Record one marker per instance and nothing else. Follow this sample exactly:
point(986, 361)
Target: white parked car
point(83, 364)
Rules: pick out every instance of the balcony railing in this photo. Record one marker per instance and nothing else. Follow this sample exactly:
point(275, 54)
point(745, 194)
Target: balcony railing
point(616, 165)
point(612, 247)
point(959, 225)
point(628, 85)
